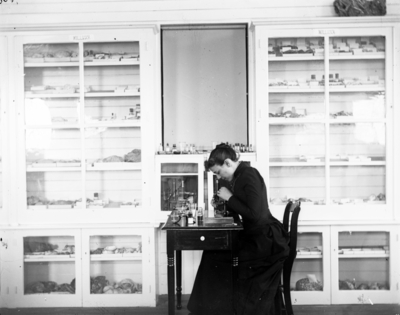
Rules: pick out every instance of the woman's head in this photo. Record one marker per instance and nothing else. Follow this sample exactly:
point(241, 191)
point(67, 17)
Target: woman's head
point(223, 161)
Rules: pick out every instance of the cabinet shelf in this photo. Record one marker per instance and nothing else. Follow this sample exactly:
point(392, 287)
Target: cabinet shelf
point(108, 123)
point(332, 89)
point(48, 258)
point(286, 89)
point(299, 57)
point(121, 166)
point(296, 164)
point(370, 163)
point(111, 94)
point(132, 62)
point(49, 95)
point(87, 94)
point(118, 166)
point(114, 257)
point(308, 256)
point(341, 256)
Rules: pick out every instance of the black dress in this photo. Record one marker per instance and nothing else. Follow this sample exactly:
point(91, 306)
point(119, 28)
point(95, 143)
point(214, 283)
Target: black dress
point(263, 247)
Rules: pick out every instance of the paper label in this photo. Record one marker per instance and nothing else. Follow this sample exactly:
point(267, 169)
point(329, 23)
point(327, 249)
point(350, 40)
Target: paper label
point(326, 32)
point(81, 38)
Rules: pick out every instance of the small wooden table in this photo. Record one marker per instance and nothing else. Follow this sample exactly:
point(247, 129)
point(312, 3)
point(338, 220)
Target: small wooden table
point(213, 234)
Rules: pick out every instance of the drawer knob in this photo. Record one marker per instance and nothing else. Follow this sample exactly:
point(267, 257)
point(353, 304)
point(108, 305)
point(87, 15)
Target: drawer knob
point(202, 238)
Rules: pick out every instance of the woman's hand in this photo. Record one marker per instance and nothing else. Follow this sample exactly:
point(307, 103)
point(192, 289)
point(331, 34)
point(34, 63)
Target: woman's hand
point(224, 193)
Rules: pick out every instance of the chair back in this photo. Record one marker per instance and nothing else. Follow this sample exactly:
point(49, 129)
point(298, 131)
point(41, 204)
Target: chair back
point(291, 215)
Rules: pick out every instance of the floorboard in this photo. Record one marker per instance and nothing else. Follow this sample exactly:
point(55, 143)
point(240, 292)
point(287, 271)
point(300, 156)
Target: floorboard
point(162, 309)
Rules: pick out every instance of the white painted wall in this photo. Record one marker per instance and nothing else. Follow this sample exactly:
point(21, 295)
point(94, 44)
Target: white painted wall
point(88, 13)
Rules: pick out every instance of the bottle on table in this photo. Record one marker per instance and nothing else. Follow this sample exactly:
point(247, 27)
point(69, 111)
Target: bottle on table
point(200, 215)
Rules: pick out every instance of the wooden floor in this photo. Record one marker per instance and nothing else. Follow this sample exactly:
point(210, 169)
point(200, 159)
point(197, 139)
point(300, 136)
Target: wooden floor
point(162, 309)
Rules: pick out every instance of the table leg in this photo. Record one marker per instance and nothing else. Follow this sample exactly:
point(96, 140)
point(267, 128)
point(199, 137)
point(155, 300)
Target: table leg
point(178, 279)
point(171, 272)
point(171, 283)
point(235, 267)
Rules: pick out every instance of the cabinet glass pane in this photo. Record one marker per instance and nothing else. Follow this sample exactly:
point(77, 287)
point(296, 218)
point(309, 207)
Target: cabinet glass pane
point(297, 143)
point(113, 177)
point(307, 271)
point(358, 171)
point(112, 82)
point(179, 185)
point(51, 83)
point(53, 167)
point(49, 265)
point(116, 264)
point(306, 184)
point(357, 105)
point(358, 184)
point(113, 189)
point(364, 261)
point(357, 77)
point(296, 69)
point(358, 142)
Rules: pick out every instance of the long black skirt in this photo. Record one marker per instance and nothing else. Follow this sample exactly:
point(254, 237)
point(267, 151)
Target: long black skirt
point(261, 255)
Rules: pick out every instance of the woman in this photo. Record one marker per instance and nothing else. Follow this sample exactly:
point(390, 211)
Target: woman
point(263, 246)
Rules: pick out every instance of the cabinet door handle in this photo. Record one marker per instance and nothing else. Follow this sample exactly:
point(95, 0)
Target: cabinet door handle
point(202, 238)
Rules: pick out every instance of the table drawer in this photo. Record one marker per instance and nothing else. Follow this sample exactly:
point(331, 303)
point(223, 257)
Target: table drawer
point(202, 240)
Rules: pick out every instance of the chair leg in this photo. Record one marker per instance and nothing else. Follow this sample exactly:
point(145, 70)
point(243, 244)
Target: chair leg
point(279, 300)
point(286, 293)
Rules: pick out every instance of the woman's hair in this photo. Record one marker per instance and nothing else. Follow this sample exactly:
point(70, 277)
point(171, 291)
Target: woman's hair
point(220, 154)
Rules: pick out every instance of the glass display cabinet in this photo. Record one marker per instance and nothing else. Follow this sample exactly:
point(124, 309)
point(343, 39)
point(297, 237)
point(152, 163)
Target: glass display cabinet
point(51, 268)
point(84, 102)
point(363, 265)
point(325, 105)
point(181, 181)
point(117, 267)
point(310, 278)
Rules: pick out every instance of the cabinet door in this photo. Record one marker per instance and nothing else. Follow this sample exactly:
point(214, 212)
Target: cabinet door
point(84, 104)
point(49, 273)
point(181, 182)
point(364, 264)
point(310, 278)
point(329, 140)
point(119, 267)
point(4, 88)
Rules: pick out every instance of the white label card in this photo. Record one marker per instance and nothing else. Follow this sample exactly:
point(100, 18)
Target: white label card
point(326, 32)
point(81, 38)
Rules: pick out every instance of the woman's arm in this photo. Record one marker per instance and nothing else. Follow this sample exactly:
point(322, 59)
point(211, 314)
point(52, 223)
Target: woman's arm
point(253, 191)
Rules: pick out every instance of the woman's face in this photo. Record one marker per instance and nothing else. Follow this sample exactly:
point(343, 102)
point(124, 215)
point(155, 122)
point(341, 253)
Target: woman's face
point(224, 171)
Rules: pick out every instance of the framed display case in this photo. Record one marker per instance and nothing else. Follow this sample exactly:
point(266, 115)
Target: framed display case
point(119, 267)
point(310, 278)
point(85, 125)
point(48, 272)
point(181, 182)
point(363, 264)
point(325, 101)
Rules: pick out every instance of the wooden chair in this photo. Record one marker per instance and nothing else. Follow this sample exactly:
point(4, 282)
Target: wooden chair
point(292, 208)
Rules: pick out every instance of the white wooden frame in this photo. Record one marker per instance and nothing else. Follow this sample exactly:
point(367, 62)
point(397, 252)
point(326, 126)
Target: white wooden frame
point(4, 101)
point(15, 283)
point(143, 213)
point(316, 297)
point(147, 257)
point(162, 216)
point(325, 212)
point(366, 296)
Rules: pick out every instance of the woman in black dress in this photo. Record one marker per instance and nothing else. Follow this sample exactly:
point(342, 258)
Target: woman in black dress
point(263, 246)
